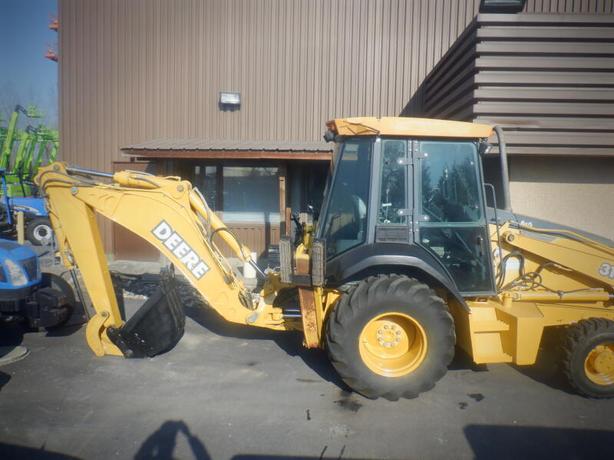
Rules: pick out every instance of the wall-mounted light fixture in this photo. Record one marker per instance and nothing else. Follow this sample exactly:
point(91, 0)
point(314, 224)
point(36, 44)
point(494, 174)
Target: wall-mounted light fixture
point(230, 100)
point(501, 6)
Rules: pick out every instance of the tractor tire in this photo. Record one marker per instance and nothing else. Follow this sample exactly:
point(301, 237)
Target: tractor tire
point(589, 357)
point(390, 336)
point(39, 231)
point(51, 280)
point(60, 284)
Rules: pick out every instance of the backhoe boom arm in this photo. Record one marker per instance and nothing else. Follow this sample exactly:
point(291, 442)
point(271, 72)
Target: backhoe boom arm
point(170, 215)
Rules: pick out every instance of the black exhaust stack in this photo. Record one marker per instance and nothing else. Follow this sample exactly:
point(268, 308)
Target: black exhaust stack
point(505, 175)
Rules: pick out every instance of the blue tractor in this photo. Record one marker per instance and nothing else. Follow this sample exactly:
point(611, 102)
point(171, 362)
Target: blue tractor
point(38, 229)
point(37, 224)
point(41, 300)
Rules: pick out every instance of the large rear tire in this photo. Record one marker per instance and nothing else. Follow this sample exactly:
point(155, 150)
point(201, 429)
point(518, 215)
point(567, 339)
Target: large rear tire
point(589, 357)
point(390, 336)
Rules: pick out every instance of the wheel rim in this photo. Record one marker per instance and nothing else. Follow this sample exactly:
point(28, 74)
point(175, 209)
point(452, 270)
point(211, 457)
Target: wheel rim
point(42, 232)
point(392, 344)
point(599, 364)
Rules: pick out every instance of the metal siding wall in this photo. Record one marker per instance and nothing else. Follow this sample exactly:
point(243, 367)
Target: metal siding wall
point(569, 6)
point(132, 71)
point(547, 79)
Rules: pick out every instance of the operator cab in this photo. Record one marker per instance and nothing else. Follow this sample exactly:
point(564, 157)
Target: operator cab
point(404, 196)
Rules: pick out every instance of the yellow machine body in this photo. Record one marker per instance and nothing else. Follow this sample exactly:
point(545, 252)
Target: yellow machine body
point(576, 273)
point(574, 286)
point(171, 216)
point(406, 126)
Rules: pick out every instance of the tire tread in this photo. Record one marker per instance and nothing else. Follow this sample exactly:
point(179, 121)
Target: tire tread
point(357, 298)
point(577, 337)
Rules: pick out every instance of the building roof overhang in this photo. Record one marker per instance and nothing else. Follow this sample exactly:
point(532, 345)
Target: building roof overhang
point(228, 149)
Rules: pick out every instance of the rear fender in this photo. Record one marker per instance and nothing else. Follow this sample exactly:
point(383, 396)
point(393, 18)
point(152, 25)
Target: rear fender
point(433, 275)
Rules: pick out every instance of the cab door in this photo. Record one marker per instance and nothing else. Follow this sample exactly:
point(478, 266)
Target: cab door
point(450, 215)
point(394, 192)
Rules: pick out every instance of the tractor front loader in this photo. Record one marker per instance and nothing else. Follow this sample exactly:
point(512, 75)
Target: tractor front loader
point(405, 262)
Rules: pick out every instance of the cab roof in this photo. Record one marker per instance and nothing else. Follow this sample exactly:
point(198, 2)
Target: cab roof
point(405, 126)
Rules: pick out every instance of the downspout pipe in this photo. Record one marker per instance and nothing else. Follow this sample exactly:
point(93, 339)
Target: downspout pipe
point(505, 176)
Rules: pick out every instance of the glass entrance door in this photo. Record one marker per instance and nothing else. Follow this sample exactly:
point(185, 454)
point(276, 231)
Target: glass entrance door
point(450, 212)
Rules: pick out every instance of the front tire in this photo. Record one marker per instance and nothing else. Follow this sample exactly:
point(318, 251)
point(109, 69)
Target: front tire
point(589, 357)
point(391, 336)
point(39, 231)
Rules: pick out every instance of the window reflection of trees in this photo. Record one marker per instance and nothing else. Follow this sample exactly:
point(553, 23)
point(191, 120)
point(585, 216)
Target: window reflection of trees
point(392, 194)
point(453, 227)
point(455, 196)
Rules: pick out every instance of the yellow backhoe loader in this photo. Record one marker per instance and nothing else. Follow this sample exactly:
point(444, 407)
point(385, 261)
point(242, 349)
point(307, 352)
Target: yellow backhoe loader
point(404, 262)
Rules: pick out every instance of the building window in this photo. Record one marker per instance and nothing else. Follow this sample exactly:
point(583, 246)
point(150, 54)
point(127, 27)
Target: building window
point(251, 194)
point(205, 178)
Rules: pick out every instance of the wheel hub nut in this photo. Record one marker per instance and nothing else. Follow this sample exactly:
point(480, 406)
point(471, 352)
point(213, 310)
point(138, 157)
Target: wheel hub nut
point(388, 335)
point(604, 362)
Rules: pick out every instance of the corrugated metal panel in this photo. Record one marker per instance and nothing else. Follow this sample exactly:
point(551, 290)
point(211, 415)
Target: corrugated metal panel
point(547, 79)
point(142, 70)
point(132, 71)
point(147, 69)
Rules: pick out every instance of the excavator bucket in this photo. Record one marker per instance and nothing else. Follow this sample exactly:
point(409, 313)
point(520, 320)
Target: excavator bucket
point(156, 327)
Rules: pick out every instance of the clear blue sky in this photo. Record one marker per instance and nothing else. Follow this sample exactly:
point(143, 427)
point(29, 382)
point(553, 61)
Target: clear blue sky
point(26, 77)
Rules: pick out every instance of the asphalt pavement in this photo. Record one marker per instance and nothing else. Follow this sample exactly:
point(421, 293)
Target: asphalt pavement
point(228, 392)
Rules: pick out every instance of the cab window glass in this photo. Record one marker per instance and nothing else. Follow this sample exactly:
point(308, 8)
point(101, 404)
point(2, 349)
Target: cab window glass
point(450, 185)
point(452, 224)
point(346, 221)
point(393, 191)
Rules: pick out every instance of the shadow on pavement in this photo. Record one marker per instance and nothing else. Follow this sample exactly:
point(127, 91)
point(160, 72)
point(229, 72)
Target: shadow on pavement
point(4, 379)
point(463, 361)
point(547, 369)
point(11, 334)
point(12, 451)
point(515, 442)
point(161, 443)
point(63, 331)
point(290, 342)
point(196, 309)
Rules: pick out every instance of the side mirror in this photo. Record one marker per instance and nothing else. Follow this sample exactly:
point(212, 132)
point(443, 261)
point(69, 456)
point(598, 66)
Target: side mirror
point(329, 136)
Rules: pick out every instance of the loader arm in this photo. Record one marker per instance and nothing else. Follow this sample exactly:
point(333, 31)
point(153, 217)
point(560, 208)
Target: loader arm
point(170, 215)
